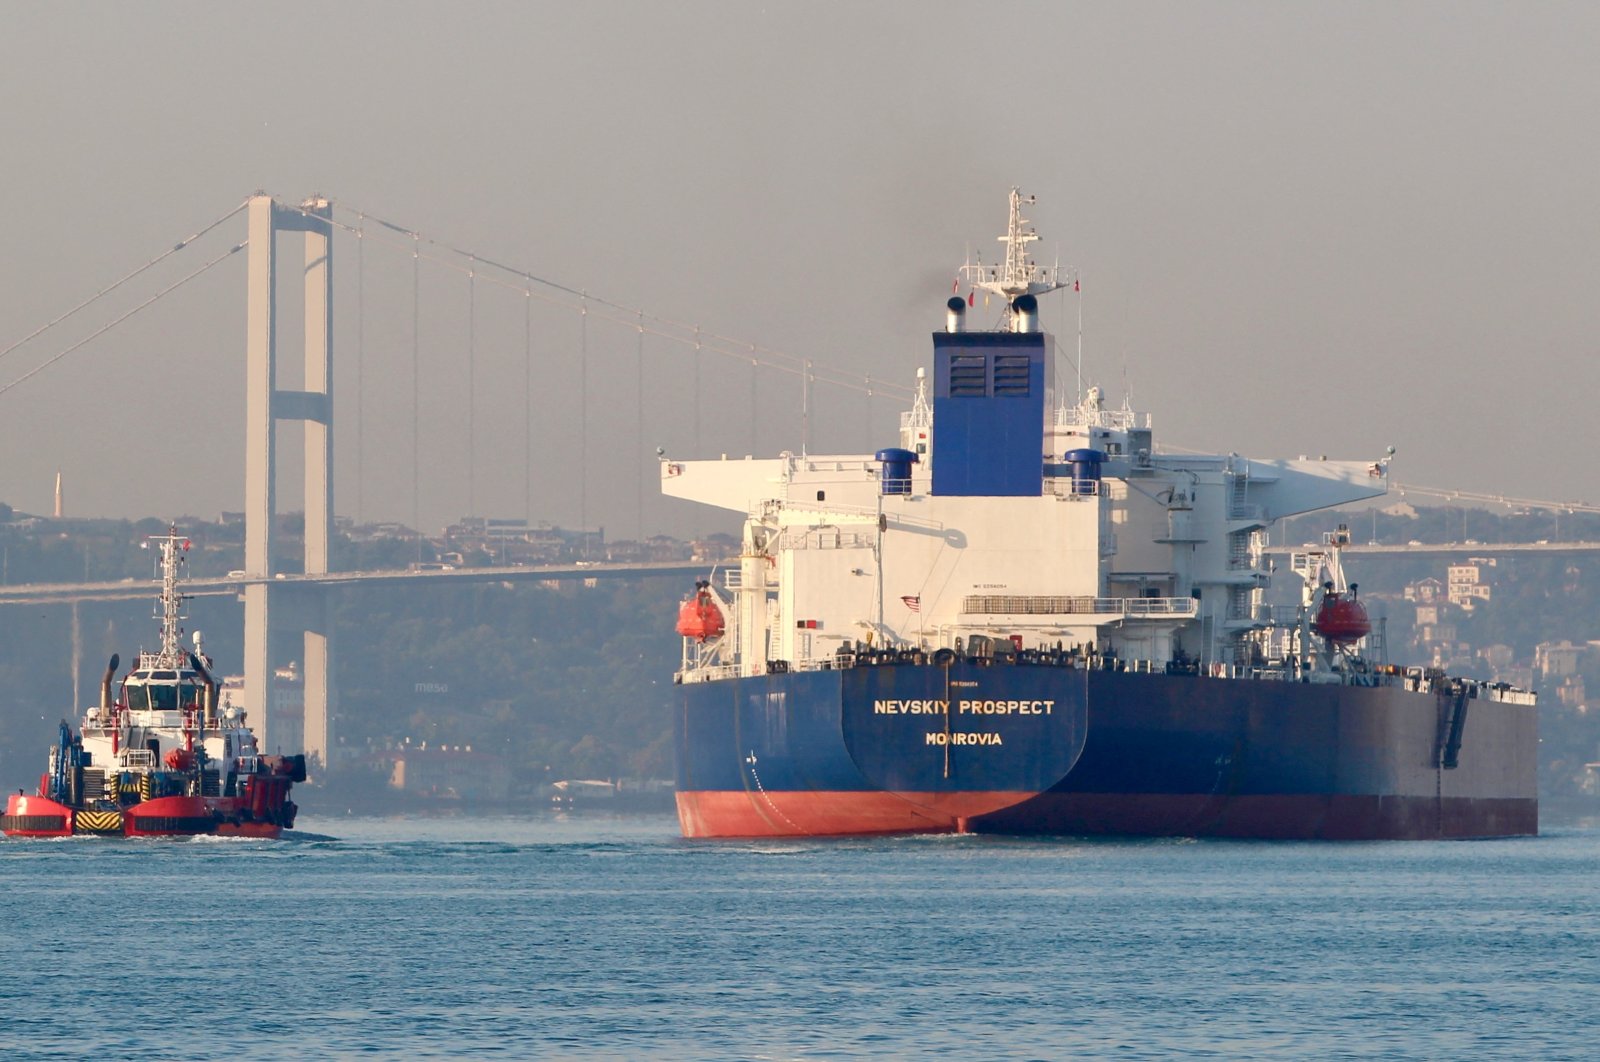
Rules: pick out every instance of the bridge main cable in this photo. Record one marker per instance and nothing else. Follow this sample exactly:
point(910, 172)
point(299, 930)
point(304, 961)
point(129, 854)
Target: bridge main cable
point(696, 337)
point(108, 289)
point(103, 329)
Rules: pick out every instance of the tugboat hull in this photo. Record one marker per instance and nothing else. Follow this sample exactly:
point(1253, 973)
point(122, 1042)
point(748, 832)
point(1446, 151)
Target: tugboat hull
point(35, 816)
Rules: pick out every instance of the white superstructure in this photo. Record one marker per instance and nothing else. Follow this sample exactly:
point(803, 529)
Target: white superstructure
point(1099, 539)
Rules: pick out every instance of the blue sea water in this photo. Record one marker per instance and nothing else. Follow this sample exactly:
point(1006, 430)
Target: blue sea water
point(613, 938)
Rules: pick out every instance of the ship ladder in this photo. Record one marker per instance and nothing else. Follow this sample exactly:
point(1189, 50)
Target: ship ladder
point(1452, 723)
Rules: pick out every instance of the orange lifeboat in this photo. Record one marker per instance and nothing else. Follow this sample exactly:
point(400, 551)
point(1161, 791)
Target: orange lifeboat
point(1342, 619)
point(699, 617)
point(180, 759)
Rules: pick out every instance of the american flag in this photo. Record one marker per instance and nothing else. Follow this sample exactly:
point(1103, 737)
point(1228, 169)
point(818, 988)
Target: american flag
point(913, 602)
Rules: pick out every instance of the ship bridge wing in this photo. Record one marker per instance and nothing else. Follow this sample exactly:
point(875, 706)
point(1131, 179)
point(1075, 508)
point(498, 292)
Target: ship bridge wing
point(823, 483)
point(734, 485)
point(1289, 487)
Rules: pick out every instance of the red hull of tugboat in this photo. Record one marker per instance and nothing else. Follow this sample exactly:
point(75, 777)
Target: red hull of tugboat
point(40, 817)
point(36, 816)
point(267, 831)
point(178, 816)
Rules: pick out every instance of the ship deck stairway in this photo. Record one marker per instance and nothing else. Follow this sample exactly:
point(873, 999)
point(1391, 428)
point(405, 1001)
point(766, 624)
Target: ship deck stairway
point(1452, 723)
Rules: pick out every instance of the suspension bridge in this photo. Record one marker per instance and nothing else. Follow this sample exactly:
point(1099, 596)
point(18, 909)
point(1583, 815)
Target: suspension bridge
point(507, 390)
point(479, 386)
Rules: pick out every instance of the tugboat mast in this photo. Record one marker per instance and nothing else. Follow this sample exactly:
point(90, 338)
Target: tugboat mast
point(172, 547)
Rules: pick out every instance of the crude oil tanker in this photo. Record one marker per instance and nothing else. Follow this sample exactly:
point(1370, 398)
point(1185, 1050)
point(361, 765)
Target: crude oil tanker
point(1029, 618)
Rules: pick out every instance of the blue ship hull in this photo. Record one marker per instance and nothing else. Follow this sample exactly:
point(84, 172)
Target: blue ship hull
point(1044, 749)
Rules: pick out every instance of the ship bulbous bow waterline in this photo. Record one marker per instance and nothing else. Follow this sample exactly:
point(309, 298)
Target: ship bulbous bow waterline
point(1028, 617)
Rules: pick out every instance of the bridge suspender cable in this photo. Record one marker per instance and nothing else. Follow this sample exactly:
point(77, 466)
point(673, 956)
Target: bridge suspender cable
point(416, 384)
point(361, 361)
point(527, 404)
point(583, 423)
point(472, 387)
point(523, 280)
point(638, 431)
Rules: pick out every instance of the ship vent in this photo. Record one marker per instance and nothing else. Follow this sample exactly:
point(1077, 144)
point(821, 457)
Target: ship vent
point(1025, 605)
point(1044, 605)
point(1011, 375)
point(968, 374)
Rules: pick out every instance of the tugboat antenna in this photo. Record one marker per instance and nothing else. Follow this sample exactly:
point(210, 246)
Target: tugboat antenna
point(171, 547)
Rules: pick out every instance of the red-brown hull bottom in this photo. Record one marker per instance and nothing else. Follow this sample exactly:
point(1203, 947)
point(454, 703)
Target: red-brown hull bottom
point(825, 814)
point(1331, 817)
point(1286, 817)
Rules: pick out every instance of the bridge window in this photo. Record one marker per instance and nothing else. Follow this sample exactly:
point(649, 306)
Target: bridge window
point(138, 698)
point(164, 698)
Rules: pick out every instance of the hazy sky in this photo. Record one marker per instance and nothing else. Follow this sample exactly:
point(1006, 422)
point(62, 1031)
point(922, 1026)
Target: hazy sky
point(1300, 229)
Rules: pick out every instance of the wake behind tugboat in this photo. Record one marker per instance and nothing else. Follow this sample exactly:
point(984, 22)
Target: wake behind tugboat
point(164, 758)
point(1027, 618)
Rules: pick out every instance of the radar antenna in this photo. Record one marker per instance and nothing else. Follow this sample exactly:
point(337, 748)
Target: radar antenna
point(1020, 275)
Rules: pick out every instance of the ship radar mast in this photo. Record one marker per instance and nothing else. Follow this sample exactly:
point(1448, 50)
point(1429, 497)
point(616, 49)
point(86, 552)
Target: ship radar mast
point(1019, 275)
point(172, 548)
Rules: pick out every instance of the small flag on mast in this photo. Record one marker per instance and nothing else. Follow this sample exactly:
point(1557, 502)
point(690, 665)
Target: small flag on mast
point(1075, 286)
point(912, 601)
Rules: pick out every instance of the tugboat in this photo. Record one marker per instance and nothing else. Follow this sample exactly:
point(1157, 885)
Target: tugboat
point(164, 758)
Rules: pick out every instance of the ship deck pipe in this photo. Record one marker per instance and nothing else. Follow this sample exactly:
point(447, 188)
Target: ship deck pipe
point(105, 683)
point(955, 314)
point(1025, 314)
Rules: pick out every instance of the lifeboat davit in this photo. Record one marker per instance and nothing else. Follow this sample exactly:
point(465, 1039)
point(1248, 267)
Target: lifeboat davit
point(699, 617)
point(1342, 619)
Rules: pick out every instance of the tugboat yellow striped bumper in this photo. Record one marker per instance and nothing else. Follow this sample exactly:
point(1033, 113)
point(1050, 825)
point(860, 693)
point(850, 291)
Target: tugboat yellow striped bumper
point(97, 822)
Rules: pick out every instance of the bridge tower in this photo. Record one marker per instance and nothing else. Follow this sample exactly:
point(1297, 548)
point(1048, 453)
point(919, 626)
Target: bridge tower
point(270, 604)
